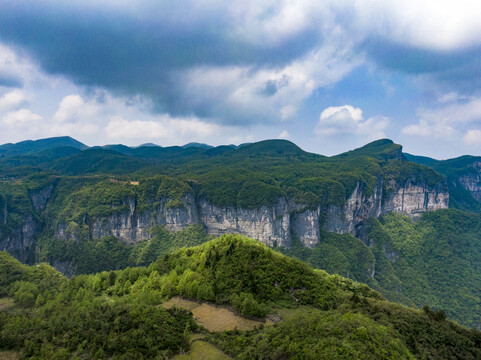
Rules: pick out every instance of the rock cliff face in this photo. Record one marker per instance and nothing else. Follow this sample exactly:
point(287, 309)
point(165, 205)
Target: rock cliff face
point(18, 236)
point(472, 182)
point(412, 198)
point(359, 207)
point(273, 225)
point(3, 208)
point(269, 224)
point(305, 226)
point(20, 241)
point(134, 225)
point(39, 198)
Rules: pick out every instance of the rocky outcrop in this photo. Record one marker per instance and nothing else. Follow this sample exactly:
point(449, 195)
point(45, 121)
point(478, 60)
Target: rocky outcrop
point(359, 207)
point(67, 268)
point(412, 198)
point(20, 241)
point(269, 224)
point(39, 198)
point(306, 226)
point(3, 209)
point(135, 225)
point(472, 181)
point(274, 224)
point(416, 198)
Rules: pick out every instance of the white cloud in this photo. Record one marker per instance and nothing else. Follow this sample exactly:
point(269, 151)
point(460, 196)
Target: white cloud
point(451, 97)
point(457, 112)
point(348, 120)
point(74, 108)
point(21, 118)
point(20, 125)
point(429, 129)
point(432, 24)
point(12, 100)
point(283, 135)
point(473, 137)
point(447, 120)
point(243, 94)
point(135, 129)
point(163, 127)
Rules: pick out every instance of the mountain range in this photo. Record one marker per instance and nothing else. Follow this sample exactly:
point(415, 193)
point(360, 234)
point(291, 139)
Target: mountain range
point(407, 226)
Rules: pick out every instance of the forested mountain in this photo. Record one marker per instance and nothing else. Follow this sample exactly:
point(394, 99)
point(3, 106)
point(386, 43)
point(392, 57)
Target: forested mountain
point(373, 214)
point(32, 147)
point(116, 315)
point(463, 176)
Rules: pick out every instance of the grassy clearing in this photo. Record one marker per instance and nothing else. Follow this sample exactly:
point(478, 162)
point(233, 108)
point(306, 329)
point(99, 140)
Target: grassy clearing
point(214, 318)
point(5, 303)
point(201, 350)
point(11, 355)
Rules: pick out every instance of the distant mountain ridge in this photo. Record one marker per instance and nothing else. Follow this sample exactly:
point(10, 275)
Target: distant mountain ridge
point(33, 146)
point(463, 176)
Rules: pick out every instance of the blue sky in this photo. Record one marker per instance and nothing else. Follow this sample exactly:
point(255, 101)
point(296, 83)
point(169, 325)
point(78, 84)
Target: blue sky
point(328, 75)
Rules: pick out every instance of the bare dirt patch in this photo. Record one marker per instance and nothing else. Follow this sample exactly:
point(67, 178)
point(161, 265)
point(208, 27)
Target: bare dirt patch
point(214, 318)
point(5, 303)
point(9, 355)
point(179, 302)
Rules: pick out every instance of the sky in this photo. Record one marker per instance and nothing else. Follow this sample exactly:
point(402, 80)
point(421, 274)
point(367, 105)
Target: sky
point(329, 75)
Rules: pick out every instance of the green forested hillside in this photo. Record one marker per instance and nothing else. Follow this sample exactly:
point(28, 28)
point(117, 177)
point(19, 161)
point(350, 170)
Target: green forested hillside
point(455, 169)
point(432, 262)
point(87, 256)
point(253, 175)
point(435, 261)
point(115, 315)
point(31, 147)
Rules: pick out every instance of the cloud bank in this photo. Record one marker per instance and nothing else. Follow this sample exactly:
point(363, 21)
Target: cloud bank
point(235, 67)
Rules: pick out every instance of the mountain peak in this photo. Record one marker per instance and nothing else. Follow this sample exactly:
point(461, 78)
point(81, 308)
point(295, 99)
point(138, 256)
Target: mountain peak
point(273, 147)
point(384, 149)
point(33, 146)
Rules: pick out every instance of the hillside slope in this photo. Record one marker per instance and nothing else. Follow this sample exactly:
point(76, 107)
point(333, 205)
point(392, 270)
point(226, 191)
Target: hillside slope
point(30, 147)
point(434, 261)
point(115, 315)
point(271, 190)
point(463, 175)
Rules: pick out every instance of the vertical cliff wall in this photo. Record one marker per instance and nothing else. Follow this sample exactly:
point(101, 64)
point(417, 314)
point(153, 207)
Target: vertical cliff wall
point(20, 224)
point(269, 224)
point(273, 225)
point(472, 180)
point(134, 225)
point(359, 207)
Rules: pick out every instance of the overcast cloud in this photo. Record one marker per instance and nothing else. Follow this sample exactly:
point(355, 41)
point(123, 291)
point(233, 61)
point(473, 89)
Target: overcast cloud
point(221, 72)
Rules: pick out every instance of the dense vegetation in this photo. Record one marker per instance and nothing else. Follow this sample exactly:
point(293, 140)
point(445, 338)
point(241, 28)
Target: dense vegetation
point(89, 256)
point(249, 176)
point(454, 170)
point(435, 261)
point(56, 318)
point(115, 315)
